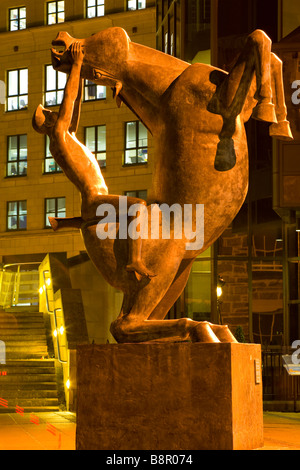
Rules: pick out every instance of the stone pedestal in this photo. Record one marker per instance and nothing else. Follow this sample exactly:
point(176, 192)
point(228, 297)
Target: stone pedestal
point(178, 396)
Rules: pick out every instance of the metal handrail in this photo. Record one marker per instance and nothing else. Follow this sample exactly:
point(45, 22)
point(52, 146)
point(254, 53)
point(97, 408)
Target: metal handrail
point(54, 316)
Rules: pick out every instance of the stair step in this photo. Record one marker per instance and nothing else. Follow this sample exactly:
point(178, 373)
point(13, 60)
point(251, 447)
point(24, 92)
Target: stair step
point(15, 386)
point(30, 380)
point(30, 409)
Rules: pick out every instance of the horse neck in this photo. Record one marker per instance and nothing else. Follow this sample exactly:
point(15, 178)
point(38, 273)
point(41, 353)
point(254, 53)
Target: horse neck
point(147, 75)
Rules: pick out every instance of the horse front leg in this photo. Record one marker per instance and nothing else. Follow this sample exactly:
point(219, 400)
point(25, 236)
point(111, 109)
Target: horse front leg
point(281, 129)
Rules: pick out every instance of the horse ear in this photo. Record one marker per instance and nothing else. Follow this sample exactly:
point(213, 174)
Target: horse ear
point(116, 90)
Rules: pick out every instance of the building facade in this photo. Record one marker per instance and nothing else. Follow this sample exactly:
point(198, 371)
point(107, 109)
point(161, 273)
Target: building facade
point(249, 277)
point(32, 186)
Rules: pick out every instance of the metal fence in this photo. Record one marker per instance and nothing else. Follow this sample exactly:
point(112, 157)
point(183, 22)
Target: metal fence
point(280, 390)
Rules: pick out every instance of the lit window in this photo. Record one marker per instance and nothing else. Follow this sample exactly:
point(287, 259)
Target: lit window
point(93, 92)
point(50, 164)
point(17, 18)
point(140, 193)
point(17, 89)
point(55, 12)
point(136, 139)
point(54, 207)
point(55, 86)
point(17, 155)
point(136, 4)
point(94, 8)
point(17, 215)
point(95, 140)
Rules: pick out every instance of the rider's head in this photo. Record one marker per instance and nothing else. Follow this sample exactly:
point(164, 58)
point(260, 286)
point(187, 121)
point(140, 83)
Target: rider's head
point(43, 120)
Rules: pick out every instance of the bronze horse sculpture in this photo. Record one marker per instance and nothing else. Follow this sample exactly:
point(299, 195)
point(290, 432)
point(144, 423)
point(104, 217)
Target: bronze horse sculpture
point(196, 115)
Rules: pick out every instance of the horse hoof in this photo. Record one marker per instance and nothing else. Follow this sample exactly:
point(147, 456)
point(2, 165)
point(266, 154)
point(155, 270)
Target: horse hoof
point(225, 157)
point(202, 333)
point(281, 130)
point(264, 112)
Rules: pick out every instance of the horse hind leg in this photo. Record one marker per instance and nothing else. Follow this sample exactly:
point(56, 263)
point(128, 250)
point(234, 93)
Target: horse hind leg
point(281, 129)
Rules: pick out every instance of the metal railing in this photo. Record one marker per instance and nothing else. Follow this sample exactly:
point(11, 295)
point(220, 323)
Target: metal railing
point(278, 385)
point(19, 286)
point(58, 331)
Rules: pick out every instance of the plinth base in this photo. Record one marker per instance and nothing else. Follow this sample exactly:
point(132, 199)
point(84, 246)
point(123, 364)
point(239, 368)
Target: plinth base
point(177, 396)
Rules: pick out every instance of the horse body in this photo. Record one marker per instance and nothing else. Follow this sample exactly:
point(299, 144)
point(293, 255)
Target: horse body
point(196, 114)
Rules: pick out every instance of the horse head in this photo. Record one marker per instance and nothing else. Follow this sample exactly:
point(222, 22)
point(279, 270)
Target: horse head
point(105, 54)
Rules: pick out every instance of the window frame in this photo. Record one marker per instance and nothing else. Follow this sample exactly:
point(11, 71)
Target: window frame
point(56, 12)
point(96, 6)
point(18, 160)
point(55, 90)
point(56, 213)
point(50, 157)
point(86, 85)
point(18, 95)
point(136, 5)
point(96, 151)
point(17, 215)
point(137, 193)
point(10, 21)
point(137, 147)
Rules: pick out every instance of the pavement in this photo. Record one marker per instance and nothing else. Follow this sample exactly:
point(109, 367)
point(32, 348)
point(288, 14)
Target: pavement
point(57, 430)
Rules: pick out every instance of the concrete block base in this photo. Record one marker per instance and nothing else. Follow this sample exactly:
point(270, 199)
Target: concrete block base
point(177, 396)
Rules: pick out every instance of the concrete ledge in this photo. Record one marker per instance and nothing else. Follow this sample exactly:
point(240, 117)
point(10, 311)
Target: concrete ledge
point(177, 396)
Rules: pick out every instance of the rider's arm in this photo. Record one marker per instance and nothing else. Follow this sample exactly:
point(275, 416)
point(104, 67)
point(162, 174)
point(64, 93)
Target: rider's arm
point(77, 108)
point(66, 109)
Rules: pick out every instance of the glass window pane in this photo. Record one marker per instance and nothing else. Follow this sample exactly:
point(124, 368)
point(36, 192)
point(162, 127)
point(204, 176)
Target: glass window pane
point(101, 92)
point(130, 156)
point(12, 104)
point(91, 12)
point(61, 80)
point(13, 148)
point(50, 98)
point(101, 158)
point(23, 146)
point(13, 81)
point(61, 17)
point(12, 222)
point(91, 3)
point(22, 207)
point(100, 10)
point(23, 81)
point(51, 7)
point(141, 4)
point(60, 5)
point(90, 139)
point(143, 142)
point(130, 135)
point(13, 14)
point(60, 95)
point(23, 24)
point(50, 78)
point(142, 155)
point(52, 18)
point(12, 169)
point(101, 146)
point(12, 208)
point(131, 4)
point(23, 101)
point(23, 12)
point(23, 168)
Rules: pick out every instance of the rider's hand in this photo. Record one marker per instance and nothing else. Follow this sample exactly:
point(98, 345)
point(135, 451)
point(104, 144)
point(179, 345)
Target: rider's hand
point(77, 53)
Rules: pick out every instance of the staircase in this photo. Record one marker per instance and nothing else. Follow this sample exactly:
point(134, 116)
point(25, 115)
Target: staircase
point(30, 382)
